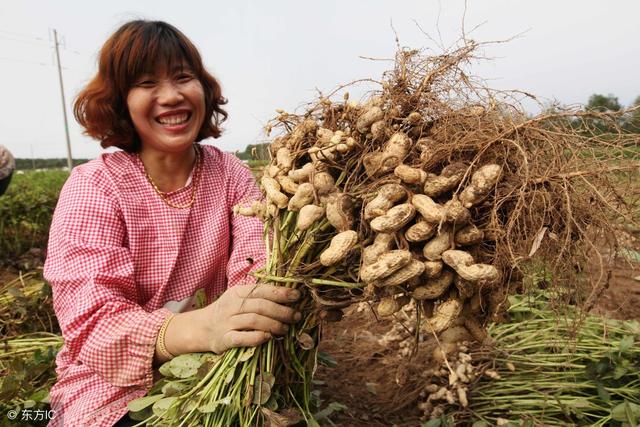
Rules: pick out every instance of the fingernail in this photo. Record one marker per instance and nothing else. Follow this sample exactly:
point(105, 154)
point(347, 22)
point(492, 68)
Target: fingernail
point(294, 294)
point(267, 336)
point(297, 316)
point(285, 327)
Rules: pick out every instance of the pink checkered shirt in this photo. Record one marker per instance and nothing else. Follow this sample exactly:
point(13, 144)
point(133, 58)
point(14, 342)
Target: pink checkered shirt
point(118, 254)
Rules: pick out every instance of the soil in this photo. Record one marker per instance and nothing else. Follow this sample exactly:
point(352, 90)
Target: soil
point(370, 377)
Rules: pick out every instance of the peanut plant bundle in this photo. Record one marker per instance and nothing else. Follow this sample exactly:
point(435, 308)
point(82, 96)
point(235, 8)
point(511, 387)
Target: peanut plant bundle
point(544, 370)
point(432, 192)
point(27, 365)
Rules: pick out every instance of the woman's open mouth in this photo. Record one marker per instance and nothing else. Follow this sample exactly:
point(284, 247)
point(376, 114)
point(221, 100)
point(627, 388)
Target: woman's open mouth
point(174, 119)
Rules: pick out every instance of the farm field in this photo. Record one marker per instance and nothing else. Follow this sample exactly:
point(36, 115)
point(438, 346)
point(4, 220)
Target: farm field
point(364, 381)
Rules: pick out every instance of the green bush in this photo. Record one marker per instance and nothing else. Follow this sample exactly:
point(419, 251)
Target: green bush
point(26, 210)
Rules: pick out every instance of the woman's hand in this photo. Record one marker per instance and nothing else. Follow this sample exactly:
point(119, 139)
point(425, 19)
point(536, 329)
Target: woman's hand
point(248, 315)
point(243, 316)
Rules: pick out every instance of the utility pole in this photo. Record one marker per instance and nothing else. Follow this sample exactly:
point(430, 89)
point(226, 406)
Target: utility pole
point(64, 105)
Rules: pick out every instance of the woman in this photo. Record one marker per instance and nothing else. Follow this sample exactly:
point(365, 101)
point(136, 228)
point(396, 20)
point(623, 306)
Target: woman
point(140, 236)
point(7, 165)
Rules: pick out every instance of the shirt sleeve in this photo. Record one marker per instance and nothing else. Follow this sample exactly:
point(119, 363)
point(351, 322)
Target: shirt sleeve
point(247, 243)
point(95, 297)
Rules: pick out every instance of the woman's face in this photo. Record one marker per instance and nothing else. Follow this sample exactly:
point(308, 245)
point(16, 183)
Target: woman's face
point(167, 109)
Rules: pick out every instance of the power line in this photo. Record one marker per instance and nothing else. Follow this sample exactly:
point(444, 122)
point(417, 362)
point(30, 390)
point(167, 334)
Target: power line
point(41, 43)
point(23, 35)
point(4, 58)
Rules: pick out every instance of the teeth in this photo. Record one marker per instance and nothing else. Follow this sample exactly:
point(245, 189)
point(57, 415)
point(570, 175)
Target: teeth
point(173, 120)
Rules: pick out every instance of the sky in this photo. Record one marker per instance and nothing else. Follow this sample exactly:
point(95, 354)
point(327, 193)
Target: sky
point(281, 53)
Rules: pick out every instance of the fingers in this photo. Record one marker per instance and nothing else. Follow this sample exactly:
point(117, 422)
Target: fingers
point(269, 309)
point(278, 294)
point(245, 338)
point(257, 322)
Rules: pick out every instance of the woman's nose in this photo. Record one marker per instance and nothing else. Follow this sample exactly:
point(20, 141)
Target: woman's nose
point(169, 93)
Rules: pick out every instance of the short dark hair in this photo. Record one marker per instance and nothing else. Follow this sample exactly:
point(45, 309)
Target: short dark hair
point(136, 48)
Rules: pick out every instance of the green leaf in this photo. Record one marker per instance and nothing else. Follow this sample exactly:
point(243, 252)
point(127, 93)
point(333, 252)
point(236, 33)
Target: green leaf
point(481, 424)
point(162, 405)
point(261, 392)
point(173, 388)
point(246, 354)
point(230, 375)
point(626, 343)
point(437, 422)
point(165, 370)
point(185, 365)
point(141, 415)
point(326, 359)
point(630, 254)
point(619, 372)
point(211, 406)
point(143, 402)
point(603, 393)
point(39, 395)
point(330, 409)
point(626, 411)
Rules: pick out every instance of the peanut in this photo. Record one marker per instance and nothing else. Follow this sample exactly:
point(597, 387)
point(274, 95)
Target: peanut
point(272, 188)
point(381, 244)
point(464, 264)
point(308, 215)
point(386, 264)
point(444, 315)
point(410, 175)
point(434, 248)
point(420, 231)
point(482, 181)
point(341, 244)
point(410, 271)
point(395, 218)
point(303, 197)
point(340, 211)
point(431, 211)
point(433, 288)
point(469, 235)
point(367, 118)
point(389, 305)
point(387, 196)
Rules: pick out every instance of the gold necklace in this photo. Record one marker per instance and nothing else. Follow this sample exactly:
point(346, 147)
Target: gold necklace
point(194, 183)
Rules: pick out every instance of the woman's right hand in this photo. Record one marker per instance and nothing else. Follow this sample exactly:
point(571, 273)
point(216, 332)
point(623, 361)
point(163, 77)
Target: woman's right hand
point(243, 316)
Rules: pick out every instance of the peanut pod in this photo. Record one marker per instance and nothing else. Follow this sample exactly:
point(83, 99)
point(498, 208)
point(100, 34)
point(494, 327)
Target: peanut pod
point(434, 288)
point(434, 248)
point(302, 197)
point(412, 270)
point(308, 215)
point(272, 188)
point(444, 315)
point(386, 264)
point(482, 181)
point(395, 218)
point(390, 305)
point(381, 244)
point(388, 195)
point(341, 244)
point(463, 263)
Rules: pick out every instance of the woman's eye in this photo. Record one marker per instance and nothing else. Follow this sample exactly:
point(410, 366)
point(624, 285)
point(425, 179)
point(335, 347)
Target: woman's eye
point(185, 77)
point(146, 83)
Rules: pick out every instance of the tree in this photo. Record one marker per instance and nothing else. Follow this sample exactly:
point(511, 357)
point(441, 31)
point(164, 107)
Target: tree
point(632, 123)
point(602, 103)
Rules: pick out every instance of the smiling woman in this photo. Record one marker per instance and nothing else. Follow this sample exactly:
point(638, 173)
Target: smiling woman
point(145, 258)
